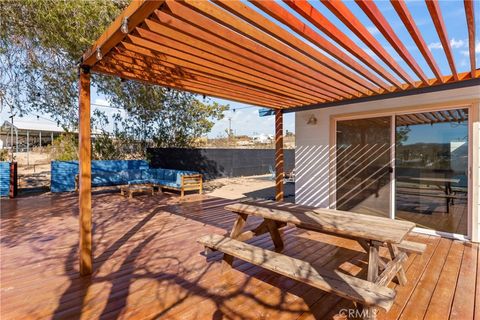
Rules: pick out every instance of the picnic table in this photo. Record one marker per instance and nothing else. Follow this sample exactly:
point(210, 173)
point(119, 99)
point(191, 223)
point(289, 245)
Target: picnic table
point(442, 183)
point(369, 231)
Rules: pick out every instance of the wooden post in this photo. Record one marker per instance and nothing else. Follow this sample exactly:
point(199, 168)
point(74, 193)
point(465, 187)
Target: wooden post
point(279, 167)
point(28, 148)
point(85, 174)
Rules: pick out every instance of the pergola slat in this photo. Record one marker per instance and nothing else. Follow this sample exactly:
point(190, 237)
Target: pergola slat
point(470, 15)
point(183, 12)
point(153, 79)
point(374, 14)
point(183, 59)
point(285, 17)
point(327, 76)
point(321, 22)
point(182, 77)
point(265, 79)
point(242, 10)
point(268, 59)
point(436, 15)
point(189, 40)
point(407, 19)
point(136, 12)
point(340, 10)
point(190, 74)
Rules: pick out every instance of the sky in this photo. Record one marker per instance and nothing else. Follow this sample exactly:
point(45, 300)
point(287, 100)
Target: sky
point(245, 119)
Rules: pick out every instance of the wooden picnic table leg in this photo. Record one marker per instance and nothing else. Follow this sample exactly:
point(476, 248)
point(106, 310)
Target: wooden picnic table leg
point(236, 231)
point(401, 276)
point(275, 234)
point(372, 275)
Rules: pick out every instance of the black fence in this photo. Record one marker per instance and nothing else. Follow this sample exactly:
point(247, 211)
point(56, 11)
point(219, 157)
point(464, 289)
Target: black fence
point(213, 163)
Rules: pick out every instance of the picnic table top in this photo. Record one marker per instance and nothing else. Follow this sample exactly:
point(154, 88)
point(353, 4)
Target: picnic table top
point(426, 179)
point(338, 222)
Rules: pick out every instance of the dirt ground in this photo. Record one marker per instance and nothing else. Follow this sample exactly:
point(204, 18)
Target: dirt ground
point(254, 186)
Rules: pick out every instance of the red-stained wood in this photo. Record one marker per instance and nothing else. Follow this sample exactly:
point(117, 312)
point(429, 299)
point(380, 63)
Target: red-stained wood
point(136, 12)
point(436, 15)
point(372, 11)
point(134, 61)
point(268, 26)
point(85, 175)
point(278, 12)
point(401, 8)
point(321, 22)
point(470, 14)
point(170, 37)
point(147, 264)
point(348, 18)
point(327, 76)
point(184, 59)
point(279, 164)
point(219, 36)
point(153, 78)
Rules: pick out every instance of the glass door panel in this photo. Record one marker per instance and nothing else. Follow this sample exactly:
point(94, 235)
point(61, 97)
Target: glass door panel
point(363, 166)
point(431, 169)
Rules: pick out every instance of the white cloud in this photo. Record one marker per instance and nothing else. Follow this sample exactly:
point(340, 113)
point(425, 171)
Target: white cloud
point(435, 45)
point(373, 30)
point(467, 53)
point(457, 43)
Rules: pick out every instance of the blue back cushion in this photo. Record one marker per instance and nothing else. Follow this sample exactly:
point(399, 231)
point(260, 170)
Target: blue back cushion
point(170, 175)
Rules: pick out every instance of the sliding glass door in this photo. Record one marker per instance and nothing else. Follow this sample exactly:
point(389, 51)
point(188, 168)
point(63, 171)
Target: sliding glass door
point(426, 155)
point(363, 166)
point(431, 161)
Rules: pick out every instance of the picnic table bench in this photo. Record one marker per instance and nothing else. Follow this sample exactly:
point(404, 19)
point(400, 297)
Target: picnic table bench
point(370, 232)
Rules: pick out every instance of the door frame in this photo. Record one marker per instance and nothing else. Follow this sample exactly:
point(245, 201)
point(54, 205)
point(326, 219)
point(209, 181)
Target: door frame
point(473, 174)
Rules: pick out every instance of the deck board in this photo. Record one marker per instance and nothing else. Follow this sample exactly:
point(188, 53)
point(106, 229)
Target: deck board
point(148, 265)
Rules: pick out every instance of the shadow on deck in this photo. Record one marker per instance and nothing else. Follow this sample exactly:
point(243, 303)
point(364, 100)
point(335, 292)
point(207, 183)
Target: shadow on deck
point(148, 265)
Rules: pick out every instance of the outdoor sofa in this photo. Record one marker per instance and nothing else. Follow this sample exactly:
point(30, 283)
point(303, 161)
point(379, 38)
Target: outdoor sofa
point(171, 179)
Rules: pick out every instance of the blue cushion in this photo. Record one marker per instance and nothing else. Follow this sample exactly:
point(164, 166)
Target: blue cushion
point(157, 174)
point(147, 175)
point(170, 175)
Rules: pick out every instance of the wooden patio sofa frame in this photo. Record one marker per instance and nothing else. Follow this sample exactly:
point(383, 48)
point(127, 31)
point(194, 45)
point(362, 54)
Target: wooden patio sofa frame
point(372, 292)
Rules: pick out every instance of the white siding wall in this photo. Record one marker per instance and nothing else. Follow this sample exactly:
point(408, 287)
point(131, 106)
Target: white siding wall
point(312, 141)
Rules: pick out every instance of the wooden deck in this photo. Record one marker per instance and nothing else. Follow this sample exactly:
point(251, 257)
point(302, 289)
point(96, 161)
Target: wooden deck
point(148, 265)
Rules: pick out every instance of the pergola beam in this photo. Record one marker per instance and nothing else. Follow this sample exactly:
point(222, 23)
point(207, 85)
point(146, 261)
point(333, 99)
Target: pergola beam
point(211, 31)
point(324, 74)
point(135, 13)
point(340, 10)
point(256, 19)
point(279, 13)
point(401, 8)
point(321, 22)
point(470, 15)
point(372, 11)
point(166, 35)
point(436, 15)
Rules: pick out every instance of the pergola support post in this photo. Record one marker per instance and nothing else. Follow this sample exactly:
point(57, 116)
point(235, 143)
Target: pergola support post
point(279, 165)
point(85, 174)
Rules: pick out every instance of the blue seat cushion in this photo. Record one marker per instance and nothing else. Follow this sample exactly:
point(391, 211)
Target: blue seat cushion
point(139, 181)
point(170, 175)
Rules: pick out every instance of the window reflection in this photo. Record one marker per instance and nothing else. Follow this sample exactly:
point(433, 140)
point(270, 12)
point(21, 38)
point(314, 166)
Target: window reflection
point(431, 169)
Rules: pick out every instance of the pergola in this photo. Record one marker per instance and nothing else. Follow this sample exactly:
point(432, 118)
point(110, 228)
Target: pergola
point(264, 54)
